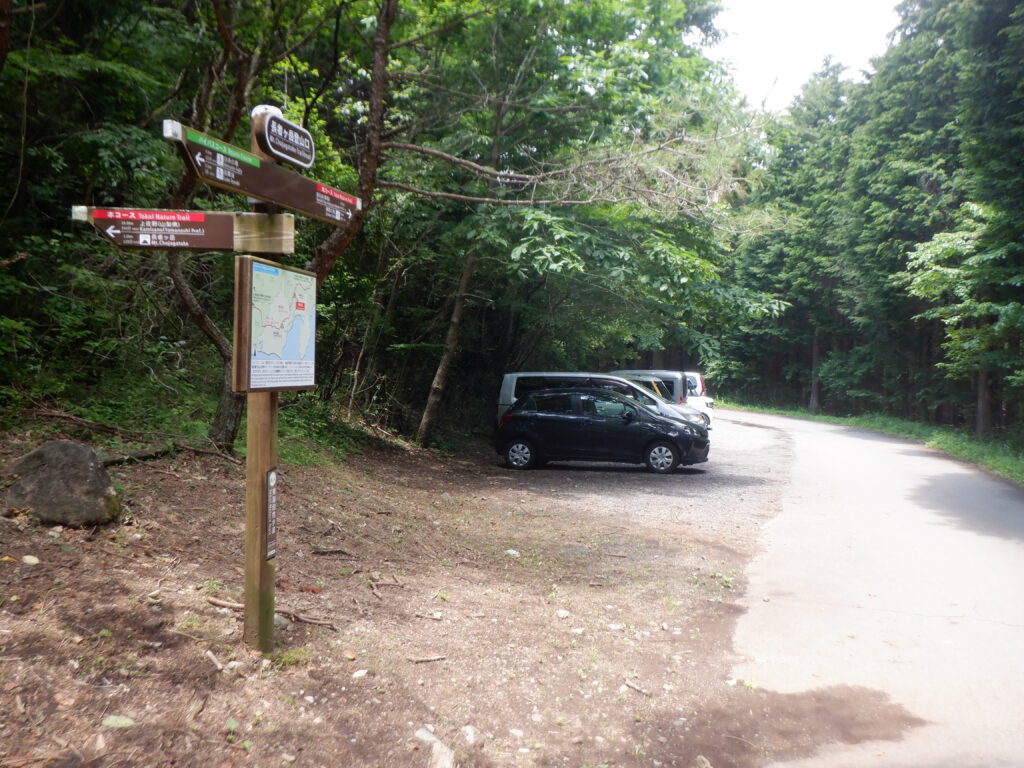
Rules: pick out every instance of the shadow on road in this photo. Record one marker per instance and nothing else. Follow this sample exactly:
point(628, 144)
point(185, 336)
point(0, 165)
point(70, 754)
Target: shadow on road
point(976, 502)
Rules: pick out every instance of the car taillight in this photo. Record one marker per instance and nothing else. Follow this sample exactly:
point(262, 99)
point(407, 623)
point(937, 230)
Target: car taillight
point(505, 418)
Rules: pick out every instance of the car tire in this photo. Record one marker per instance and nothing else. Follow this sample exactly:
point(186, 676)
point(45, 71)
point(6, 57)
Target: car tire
point(661, 457)
point(520, 454)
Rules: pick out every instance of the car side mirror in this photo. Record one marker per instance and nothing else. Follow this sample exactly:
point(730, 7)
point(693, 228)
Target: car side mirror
point(627, 415)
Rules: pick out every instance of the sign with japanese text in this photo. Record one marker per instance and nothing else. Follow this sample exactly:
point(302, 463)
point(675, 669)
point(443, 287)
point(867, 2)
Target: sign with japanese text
point(228, 167)
point(285, 140)
point(271, 535)
point(191, 230)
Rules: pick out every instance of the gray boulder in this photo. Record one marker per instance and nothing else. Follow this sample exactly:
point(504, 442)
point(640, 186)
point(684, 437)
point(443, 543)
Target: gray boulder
point(63, 483)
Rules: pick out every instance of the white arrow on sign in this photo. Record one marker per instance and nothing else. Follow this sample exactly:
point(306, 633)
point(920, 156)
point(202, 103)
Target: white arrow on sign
point(200, 159)
point(112, 230)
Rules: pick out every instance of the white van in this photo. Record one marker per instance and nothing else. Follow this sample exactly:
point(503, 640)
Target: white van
point(515, 385)
point(686, 387)
point(662, 390)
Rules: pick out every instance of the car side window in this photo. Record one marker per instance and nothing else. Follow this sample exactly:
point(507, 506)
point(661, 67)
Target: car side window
point(554, 404)
point(604, 407)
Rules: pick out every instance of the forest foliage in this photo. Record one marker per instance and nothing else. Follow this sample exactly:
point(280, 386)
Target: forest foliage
point(548, 185)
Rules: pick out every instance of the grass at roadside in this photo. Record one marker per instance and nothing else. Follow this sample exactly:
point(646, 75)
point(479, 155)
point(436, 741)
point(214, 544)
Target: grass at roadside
point(1000, 456)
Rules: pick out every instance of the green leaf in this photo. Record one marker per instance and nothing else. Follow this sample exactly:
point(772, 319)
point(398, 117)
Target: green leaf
point(118, 721)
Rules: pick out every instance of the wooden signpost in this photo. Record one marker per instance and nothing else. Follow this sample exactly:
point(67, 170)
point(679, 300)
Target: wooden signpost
point(275, 306)
point(258, 175)
point(147, 228)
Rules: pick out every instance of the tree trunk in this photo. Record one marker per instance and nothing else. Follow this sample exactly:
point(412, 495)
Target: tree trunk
point(814, 404)
point(5, 30)
point(228, 417)
point(331, 249)
point(451, 346)
point(983, 407)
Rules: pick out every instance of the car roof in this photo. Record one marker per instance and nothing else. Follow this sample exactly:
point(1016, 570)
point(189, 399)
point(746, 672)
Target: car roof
point(649, 372)
point(581, 374)
point(574, 391)
point(637, 376)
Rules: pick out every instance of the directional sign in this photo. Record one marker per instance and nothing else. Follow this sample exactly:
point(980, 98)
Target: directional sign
point(284, 139)
point(192, 230)
point(228, 167)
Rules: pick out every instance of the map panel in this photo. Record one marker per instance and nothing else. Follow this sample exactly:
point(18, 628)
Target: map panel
point(283, 331)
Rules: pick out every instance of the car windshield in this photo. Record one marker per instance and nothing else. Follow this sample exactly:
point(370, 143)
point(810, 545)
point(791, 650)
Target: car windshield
point(647, 397)
point(655, 386)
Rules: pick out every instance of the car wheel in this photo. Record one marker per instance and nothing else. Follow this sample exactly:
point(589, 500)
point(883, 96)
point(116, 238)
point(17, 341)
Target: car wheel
point(520, 454)
point(661, 457)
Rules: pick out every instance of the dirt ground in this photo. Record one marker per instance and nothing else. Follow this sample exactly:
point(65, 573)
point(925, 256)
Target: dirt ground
point(433, 610)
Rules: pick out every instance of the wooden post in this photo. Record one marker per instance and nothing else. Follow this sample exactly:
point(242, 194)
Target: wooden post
point(260, 506)
point(260, 519)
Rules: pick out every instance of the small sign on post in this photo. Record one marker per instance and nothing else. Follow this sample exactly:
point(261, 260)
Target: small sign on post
point(270, 539)
point(283, 139)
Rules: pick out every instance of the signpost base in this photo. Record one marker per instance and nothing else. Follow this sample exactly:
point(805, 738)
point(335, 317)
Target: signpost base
point(260, 519)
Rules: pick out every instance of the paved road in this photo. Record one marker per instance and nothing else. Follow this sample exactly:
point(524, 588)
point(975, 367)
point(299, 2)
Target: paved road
point(893, 568)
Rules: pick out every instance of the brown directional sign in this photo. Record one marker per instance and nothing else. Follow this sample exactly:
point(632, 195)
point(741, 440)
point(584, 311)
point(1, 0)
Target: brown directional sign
point(228, 167)
point(192, 230)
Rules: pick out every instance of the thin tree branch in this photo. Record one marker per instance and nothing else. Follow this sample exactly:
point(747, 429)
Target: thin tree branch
point(480, 170)
point(223, 29)
point(438, 31)
point(490, 200)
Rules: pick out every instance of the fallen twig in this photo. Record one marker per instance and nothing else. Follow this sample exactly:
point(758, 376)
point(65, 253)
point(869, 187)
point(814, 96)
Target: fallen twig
point(336, 551)
point(637, 688)
point(304, 619)
point(427, 659)
point(740, 738)
point(288, 614)
point(16, 762)
point(216, 662)
point(225, 603)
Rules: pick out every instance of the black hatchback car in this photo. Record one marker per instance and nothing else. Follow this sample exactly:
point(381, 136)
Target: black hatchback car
point(583, 424)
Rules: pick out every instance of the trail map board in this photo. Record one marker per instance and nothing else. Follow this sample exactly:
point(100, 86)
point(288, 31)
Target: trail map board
point(275, 326)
